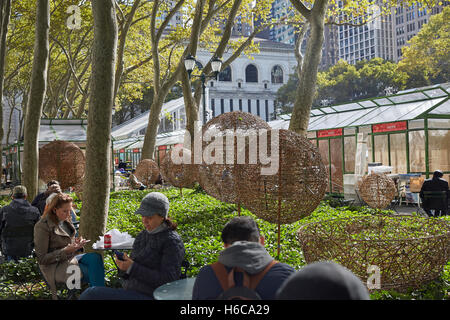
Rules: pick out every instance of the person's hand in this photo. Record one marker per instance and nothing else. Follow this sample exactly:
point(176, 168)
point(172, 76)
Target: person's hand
point(71, 248)
point(76, 245)
point(125, 263)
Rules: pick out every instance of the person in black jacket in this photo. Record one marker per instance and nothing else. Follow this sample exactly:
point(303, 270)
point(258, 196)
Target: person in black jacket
point(435, 184)
point(155, 259)
point(17, 222)
point(244, 250)
point(40, 200)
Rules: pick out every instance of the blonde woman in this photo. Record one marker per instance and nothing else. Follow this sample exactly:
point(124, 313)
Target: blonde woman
point(56, 246)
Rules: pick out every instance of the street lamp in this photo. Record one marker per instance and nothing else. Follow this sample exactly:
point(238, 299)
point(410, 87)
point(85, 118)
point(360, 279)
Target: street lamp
point(216, 64)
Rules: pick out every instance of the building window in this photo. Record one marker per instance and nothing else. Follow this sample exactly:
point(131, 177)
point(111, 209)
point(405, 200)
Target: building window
point(231, 105)
point(225, 75)
point(251, 73)
point(240, 104)
point(249, 106)
point(267, 110)
point(277, 74)
point(213, 108)
point(222, 106)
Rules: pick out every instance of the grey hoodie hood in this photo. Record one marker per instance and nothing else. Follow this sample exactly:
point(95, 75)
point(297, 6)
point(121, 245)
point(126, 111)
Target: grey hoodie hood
point(252, 257)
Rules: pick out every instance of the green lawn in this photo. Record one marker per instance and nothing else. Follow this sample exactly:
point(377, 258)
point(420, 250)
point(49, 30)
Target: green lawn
point(200, 220)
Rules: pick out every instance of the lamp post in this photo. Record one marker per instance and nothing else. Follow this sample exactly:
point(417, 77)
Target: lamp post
point(216, 64)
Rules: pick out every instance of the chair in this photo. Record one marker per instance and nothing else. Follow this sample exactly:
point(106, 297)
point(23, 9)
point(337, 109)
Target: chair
point(435, 200)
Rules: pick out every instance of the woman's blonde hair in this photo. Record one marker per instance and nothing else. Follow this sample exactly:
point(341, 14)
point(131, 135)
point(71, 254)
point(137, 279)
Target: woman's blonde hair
point(59, 199)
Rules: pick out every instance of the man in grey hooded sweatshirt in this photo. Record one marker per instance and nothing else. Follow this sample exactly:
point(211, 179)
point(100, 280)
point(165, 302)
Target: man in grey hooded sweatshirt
point(244, 249)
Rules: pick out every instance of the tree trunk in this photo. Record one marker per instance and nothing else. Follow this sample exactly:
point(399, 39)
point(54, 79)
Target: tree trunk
point(162, 89)
point(153, 123)
point(36, 98)
point(98, 151)
point(5, 14)
point(310, 66)
point(121, 46)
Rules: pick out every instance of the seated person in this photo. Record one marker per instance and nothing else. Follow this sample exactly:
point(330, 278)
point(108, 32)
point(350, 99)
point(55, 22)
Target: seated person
point(155, 259)
point(134, 182)
point(122, 165)
point(244, 249)
point(323, 281)
point(56, 246)
point(435, 184)
point(17, 222)
point(39, 201)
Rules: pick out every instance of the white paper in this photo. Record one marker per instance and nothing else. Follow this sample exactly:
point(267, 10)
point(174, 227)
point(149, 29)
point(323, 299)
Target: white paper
point(119, 240)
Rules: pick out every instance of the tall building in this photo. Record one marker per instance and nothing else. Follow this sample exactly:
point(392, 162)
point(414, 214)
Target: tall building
point(286, 33)
point(365, 42)
point(383, 36)
point(407, 21)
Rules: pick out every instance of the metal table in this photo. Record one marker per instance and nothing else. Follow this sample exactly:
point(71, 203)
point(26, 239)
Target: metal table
point(176, 290)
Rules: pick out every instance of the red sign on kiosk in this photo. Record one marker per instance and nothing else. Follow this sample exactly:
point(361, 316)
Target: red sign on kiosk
point(162, 147)
point(391, 126)
point(329, 133)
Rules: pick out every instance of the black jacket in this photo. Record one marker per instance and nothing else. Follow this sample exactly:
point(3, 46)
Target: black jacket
point(434, 184)
point(17, 222)
point(157, 260)
point(39, 201)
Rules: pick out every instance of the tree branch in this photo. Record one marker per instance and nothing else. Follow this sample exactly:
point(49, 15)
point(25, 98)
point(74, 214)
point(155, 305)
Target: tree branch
point(304, 11)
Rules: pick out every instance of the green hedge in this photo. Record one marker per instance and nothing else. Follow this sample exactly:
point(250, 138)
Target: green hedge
point(201, 218)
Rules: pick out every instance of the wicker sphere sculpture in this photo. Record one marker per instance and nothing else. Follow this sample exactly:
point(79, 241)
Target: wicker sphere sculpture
point(179, 173)
point(377, 190)
point(147, 171)
point(409, 251)
point(62, 161)
point(297, 187)
point(220, 176)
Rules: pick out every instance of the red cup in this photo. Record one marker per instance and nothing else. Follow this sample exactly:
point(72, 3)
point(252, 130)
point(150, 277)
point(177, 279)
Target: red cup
point(107, 241)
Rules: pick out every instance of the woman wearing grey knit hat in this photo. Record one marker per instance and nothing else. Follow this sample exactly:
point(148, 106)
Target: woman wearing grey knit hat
point(156, 257)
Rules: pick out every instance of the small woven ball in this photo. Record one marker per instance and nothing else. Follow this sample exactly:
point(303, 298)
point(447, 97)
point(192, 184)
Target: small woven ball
point(377, 190)
point(147, 171)
point(178, 169)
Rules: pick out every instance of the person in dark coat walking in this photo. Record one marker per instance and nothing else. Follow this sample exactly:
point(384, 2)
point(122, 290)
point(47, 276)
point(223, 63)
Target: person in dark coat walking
point(244, 249)
point(17, 222)
point(155, 259)
point(435, 184)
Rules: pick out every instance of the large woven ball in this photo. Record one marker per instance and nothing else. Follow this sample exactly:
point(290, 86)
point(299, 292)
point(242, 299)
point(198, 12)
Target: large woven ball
point(377, 190)
point(147, 171)
point(220, 176)
point(295, 190)
point(177, 170)
point(62, 161)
